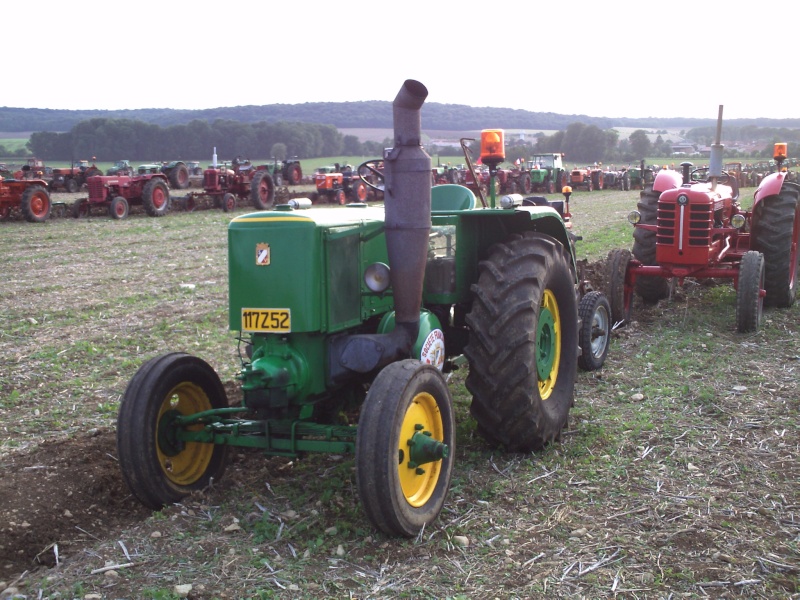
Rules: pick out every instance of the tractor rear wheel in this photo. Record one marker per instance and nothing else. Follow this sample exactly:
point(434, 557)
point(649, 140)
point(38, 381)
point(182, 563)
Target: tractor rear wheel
point(523, 342)
point(405, 447)
point(651, 289)
point(749, 300)
point(616, 273)
point(118, 209)
point(228, 202)
point(594, 336)
point(525, 184)
point(294, 174)
point(179, 177)
point(36, 204)
point(155, 196)
point(776, 229)
point(158, 467)
point(262, 190)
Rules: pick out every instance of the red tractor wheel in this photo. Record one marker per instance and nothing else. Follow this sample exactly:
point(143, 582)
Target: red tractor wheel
point(616, 273)
point(359, 191)
point(155, 196)
point(228, 202)
point(262, 190)
point(179, 177)
point(749, 300)
point(80, 208)
point(294, 174)
point(36, 204)
point(118, 209)
point(776, 229)
point(339, 197)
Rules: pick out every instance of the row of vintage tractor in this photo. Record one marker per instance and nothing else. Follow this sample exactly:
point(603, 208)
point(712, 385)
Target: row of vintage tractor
point(223, 185)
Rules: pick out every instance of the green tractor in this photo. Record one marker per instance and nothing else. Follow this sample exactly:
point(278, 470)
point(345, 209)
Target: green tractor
point(547, 173)
point(357, 312)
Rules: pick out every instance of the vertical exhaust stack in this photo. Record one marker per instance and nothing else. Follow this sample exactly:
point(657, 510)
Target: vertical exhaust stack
point(407, 202)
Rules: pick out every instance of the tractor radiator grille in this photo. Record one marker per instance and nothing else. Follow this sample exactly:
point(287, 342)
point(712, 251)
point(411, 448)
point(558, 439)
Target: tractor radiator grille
point(95, 186)
point(694, 223)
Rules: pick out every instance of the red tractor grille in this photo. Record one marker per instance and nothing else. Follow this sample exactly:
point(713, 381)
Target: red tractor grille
point(690, 223)
point(96, 187)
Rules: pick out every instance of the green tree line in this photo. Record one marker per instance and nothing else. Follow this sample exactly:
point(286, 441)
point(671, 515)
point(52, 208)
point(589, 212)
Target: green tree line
point(111, 139)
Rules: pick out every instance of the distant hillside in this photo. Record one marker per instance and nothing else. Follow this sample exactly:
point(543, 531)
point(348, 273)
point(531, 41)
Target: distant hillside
point(370, 114)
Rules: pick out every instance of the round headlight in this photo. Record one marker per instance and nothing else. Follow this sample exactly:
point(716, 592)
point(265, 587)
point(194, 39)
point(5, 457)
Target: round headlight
point(634, 217)
point(377, 277)
point(738, 221)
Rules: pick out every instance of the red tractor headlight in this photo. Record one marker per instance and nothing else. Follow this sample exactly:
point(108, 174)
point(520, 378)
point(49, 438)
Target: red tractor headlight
point(738, 221)
point(634, 217)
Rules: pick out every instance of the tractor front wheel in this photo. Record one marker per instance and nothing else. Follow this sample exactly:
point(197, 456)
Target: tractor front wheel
point(71, 185)
point(651, 289)
point(36, 204)
point(749, 297)
point(228, 202)
point(155, 196)
point(262, 190)
point(776, 233)
point(158, 467)
point(595, 333)
point(405, 447)
point(359, 191)
point(80, 208)
point(615, 276)
point(118, 209)
point(523, 342)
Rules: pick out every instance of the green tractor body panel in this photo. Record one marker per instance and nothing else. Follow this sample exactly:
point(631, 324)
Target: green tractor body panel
point(296, 281)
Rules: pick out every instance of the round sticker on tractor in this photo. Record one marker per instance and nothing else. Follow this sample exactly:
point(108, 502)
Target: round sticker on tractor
point(432, 352)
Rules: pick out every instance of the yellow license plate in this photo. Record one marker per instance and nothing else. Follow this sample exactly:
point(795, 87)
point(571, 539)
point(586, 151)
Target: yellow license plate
point(267, 320)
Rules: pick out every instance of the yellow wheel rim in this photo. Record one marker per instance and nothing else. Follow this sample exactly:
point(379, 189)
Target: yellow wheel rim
point(419, 483)
point(549, 343)
point(192, 461)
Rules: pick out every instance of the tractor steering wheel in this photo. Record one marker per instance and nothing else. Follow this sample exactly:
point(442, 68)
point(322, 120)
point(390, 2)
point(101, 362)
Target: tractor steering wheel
point(374, 167)
point(701, 174)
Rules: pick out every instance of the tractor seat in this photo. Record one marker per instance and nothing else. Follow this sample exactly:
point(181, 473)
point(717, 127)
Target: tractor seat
point(451, 196)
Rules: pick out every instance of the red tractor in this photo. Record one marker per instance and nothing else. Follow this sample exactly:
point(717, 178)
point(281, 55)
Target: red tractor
point(29, 195)
point(691, 225)
point(227, 184)
point(116, 193)
point(71, 179)
point(339, 184)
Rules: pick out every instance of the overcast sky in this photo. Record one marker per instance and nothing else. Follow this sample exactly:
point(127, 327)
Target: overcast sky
point(603, 59)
